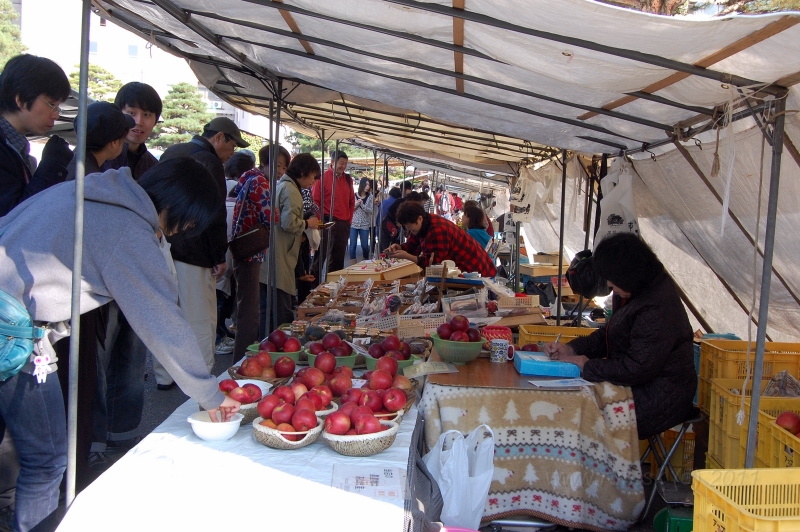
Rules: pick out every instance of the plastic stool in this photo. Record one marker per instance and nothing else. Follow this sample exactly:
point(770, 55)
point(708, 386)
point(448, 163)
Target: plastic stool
point(674, 520)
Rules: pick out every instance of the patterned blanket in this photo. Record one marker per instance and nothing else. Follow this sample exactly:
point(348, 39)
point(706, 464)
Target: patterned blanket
point(571, 457)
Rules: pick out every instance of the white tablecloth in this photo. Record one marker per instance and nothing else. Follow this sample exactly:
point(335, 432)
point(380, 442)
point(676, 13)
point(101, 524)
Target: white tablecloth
point(174, 481)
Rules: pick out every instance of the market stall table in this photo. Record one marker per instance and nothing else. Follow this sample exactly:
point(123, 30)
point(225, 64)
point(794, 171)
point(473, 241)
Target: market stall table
point(570, 457)
point(172, 480)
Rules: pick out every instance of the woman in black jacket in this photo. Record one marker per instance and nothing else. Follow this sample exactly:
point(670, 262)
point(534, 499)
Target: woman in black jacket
point(647, 342)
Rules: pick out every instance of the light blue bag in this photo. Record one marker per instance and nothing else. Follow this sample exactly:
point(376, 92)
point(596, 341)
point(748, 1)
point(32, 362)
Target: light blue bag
point(17, 334)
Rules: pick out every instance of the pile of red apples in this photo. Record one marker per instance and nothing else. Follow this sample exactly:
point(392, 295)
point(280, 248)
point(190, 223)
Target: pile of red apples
point(391, 346)
point(332, 344)
point(279, 342)
point(260, 366)
point(458, 330)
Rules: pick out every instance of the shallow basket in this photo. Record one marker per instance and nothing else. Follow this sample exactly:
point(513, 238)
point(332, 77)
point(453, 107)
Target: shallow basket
point(249, 411)
point(272, 438)
point(456, 352)
point(235, 375)
point(366, 444)
point(333, 407)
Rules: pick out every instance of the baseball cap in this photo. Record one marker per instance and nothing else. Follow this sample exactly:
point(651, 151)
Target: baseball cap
point(105, 122)
point(225, 125)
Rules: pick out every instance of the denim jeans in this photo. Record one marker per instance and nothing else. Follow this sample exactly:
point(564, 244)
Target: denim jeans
point(35, 417)
point(120, 382)
point(355, 234)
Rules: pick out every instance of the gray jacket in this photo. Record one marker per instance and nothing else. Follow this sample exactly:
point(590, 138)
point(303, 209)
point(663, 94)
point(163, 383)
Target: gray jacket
point(122, 261)
point(288, 234)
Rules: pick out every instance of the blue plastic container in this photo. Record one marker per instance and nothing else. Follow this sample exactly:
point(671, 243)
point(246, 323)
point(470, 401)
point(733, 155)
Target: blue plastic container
point(528, 363)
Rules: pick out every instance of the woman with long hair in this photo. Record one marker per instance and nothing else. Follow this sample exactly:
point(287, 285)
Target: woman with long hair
point(362, 219)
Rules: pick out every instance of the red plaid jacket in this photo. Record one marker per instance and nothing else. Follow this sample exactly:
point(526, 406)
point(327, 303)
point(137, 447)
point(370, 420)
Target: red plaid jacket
point(447, 241)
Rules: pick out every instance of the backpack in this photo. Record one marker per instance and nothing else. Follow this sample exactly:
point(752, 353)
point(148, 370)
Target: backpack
point(582, 277)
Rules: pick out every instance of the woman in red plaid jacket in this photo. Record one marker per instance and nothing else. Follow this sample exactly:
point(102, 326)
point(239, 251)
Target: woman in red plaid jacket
point(431, 235)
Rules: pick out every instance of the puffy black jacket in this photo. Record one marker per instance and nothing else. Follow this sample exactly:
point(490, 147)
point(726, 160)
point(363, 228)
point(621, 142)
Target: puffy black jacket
point(18, 183)
point(647, 345)
point(208, 249)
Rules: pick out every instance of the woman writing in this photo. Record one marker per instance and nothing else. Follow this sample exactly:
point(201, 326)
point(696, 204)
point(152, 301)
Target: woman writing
point(302, 172)
point(647, 343)
point(125, 259)
point(362, 216)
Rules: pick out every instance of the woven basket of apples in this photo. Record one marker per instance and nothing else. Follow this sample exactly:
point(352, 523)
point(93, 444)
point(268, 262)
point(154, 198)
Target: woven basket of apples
point(365, 444)
point(286, 436)
point(457, 342)
point(248, 392)
point(261, 367)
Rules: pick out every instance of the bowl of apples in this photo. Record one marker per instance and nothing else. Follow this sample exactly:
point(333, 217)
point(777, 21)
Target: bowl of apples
point(333, 344)
point(279, 344)
point(372, 435)
point(392, 347)
point(457, 342)
point(248, 392)
point(262, 367)
point(296, 433)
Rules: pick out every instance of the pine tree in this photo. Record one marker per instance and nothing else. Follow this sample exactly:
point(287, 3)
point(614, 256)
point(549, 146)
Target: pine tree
point(10, 35)
point(511, 412)
point(483, 416)
point(184, 115)
point(530, 474)
point(103, 85)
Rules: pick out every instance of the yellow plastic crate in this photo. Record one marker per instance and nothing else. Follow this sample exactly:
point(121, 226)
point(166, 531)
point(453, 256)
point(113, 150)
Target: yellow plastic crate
point(727, 359)
point(711, 463)
point(531, 334)
point(784, 447)
point(723, 431)
point(682, 460)
point(770, 453)
point(746, 500)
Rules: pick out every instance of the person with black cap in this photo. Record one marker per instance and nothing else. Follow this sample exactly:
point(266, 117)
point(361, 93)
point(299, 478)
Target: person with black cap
point(200, 260)
point(106, 129)
point(647, 343)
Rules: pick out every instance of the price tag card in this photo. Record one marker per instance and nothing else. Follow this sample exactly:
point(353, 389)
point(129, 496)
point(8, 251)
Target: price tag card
point(383, 483)
point(359, 383)
point(429, 368)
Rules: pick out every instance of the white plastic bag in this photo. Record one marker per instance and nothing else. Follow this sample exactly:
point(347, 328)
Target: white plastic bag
point(464, 474)
point(617, 208)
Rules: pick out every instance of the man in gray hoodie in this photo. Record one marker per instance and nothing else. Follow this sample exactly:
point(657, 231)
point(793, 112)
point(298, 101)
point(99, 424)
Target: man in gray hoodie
point(124, 260)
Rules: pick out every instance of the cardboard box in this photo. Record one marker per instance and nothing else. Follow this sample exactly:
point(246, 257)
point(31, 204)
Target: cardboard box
point(358, 273)
point(547, 258)
point(535, 270)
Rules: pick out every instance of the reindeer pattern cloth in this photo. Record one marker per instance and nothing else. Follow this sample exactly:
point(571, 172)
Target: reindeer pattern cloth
point(571, 457)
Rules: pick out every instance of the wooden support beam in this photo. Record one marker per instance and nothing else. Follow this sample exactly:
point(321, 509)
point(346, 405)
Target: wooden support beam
point(756, 37)
point(458, 40)
point(287, 17)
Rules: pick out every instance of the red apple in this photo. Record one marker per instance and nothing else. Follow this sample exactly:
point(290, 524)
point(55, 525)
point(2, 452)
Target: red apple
point(402, 382)
point(347, 408)
point(787, 420)
point(339, 351)
point(391, 343)
point(387, 364)
point(284, 367)
point(361, 411)
point(405, 348)
point(375, 351)
point(300, 372)
point(395, 354)
point(240, 394)
point(371, 399)
point(353, 395)
point(304, 420)
point(368, 425)
point(459, 336)
point(298, 389)
point(267, 405)
point(254, 391)
point(278, 338)
point(340, 384)
point(285, 394)
point(337, 423)
point(313, 377)
point(459, 323)
point(474, 334)
point(380, 380)
point(268, 373)
point(394, 399)
point(305, 403)
point(444, 331)
point(287, 427)
point(251, 367)
point(264, 359)
point(343, 369)
point(367, 375)
point(267, 346)
point(291, 345)
point(227, 385)
point(325, 392)
point(331, 340)
point(351, 432)
point(348, 350)
point(283, 413)
point(315, 348)
point(269, 423)
point(315, 398)
point(325, 362)
point(530, 347)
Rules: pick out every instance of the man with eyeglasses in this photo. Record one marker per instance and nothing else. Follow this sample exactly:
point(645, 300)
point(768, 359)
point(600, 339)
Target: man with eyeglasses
point(199, 261)
point(31, 90)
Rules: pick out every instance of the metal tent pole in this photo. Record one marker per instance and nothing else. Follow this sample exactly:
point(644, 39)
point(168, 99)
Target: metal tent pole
point(323, 246)
point(603, 173)
point(270, 314)
point(766, 276)
point(517, 254)
point(374, 195)
point(561, 233)
point(273, 184)
point(334, 161)
point(77, 263)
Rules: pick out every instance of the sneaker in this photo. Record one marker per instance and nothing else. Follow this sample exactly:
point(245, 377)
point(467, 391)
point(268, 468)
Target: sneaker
point(99, 462)
point(165, 387)
point(225, 346)
point(230, 326)
point(7, 519)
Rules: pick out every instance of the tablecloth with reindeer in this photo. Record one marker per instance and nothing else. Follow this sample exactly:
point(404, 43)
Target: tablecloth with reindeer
point(570, 457)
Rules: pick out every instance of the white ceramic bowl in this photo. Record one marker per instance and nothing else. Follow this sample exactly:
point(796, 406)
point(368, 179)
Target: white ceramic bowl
point(206, 430)
point(265, 386)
